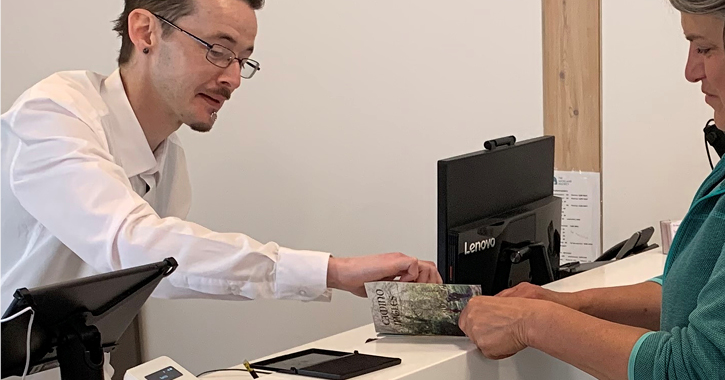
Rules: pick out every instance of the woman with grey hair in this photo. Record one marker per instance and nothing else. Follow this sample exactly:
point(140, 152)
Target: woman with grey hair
point(671, 327)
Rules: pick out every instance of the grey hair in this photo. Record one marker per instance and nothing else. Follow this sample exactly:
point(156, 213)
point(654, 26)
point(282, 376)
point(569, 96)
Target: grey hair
point(701, 7)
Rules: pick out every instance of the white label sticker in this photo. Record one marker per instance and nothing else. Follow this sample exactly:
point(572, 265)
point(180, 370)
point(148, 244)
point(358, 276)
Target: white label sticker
point(581, 212)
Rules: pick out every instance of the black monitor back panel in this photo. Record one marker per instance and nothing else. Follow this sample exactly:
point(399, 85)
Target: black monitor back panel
point(482, 184)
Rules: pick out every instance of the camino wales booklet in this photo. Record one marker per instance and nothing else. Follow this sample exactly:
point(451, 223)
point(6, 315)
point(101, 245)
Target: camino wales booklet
point(418, 309)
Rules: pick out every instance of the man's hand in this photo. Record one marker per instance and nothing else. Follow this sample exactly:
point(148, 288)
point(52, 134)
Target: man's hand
point(351, 273)
point(498, 325)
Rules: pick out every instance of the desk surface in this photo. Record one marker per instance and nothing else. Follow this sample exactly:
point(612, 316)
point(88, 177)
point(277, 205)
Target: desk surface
point(453, 358)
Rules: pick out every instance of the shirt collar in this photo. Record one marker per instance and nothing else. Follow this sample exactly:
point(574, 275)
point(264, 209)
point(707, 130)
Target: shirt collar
point(130, 147)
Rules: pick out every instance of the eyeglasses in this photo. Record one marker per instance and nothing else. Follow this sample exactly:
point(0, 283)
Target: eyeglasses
point(219, 55)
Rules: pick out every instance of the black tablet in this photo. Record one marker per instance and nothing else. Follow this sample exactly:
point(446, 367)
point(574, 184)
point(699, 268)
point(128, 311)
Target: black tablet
point(326, 364)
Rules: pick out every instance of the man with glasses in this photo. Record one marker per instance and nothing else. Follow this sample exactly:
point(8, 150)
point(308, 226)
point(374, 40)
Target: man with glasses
point(94, 178)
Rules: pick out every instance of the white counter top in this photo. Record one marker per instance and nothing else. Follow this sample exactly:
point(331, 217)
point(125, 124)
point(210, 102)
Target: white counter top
point(454, 358)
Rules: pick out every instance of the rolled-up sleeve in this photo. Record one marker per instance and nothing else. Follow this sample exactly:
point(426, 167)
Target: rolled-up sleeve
point(695, 351)
point(65, 177)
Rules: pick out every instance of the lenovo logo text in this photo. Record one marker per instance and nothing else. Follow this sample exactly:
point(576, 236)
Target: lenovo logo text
point(479, 245)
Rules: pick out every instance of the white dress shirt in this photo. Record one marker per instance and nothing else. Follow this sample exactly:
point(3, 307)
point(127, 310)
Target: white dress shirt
point(82, 193)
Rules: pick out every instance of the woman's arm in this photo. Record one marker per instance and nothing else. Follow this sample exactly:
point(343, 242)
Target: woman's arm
point(502, 326)
point(635, 305)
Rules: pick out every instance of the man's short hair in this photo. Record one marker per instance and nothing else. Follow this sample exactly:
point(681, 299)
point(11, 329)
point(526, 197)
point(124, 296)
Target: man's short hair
point(171, 10)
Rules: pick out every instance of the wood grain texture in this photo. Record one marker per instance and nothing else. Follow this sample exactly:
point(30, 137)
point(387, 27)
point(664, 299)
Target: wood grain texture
point(572, 81)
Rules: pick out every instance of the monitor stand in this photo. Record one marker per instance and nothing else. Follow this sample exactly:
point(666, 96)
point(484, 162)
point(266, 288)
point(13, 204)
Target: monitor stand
point(80, 354)
point(541, 272)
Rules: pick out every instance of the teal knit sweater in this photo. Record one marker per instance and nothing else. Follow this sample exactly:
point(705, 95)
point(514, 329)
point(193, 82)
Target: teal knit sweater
point(691, 340)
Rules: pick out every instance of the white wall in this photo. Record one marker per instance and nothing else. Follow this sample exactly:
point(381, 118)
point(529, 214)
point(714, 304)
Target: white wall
point(653, 146)
point(40, 37)
point(332, 147)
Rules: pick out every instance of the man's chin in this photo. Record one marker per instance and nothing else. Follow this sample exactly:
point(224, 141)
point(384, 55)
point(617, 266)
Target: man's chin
point(200, 127)
point(205, 125)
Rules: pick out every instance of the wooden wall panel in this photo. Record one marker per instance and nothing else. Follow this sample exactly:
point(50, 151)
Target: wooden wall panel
point(572, 81)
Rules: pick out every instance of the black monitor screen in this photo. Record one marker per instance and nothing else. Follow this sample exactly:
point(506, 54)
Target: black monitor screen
point(96, 310)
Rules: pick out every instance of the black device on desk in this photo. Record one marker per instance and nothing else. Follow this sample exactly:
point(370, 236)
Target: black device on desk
point(76, 321)
point(498, 221)
point(326, 364)
point(637, 243)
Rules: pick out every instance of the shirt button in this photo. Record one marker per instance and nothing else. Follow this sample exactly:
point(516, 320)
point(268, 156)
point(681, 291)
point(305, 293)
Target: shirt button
point(235, 289)
point(303, 293)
